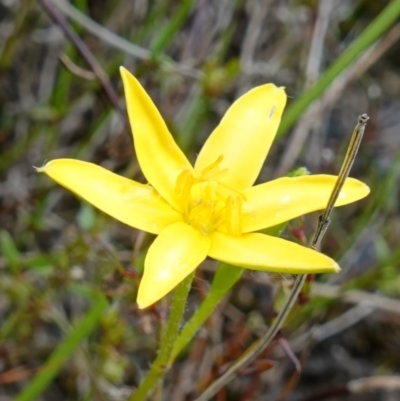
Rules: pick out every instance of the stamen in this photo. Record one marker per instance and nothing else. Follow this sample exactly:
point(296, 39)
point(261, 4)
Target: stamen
point(212, 165)
point(184, 184)
point(214, 171)
point(208, 205)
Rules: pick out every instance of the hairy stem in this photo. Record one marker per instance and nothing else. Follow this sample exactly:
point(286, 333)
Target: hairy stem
point(160, 366)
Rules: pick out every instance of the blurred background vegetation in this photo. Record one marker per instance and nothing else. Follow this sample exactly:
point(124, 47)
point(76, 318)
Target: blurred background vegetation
point(69, 274)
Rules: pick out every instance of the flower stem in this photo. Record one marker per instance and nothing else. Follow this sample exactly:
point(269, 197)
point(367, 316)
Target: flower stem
point(258, 346)
point(160, 365)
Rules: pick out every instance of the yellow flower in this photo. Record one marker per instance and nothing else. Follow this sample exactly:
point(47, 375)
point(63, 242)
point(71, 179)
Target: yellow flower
point(211, 208)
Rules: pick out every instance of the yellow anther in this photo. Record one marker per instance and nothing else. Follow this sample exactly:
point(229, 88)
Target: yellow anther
point(214, 171)
point(184, 184)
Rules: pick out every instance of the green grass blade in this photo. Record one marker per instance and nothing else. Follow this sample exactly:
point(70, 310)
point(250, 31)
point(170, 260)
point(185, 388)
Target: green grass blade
point(63, 352)
point(9, 249)
point(372, 33)
point(168, 33)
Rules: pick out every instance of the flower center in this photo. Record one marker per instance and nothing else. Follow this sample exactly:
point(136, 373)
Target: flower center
point(207, 204)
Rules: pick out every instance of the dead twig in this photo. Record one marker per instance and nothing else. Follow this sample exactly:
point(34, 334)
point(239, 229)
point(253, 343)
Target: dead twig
point(75, 69)
point(358, 386)
point(87, 55)
point(116, 41)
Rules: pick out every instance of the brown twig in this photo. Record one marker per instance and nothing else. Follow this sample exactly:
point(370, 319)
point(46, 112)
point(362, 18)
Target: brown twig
point(75, 69)
point(86, 54)
point(358, 386)
point(120, 43)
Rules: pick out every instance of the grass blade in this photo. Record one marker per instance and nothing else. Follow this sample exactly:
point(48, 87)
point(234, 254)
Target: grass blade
point(372, 33)
point(63, 352)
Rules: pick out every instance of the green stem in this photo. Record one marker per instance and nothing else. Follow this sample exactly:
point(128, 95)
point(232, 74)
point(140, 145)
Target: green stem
point(161, 363)
point(168, 33)
point(372, 33)
point(225, 278)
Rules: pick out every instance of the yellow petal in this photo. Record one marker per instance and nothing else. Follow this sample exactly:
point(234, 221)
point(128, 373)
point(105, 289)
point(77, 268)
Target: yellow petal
point(128, 201)
point(285, 198)
point(159, 156)
point(244, 136)
point(175, 253)
point(262, 252)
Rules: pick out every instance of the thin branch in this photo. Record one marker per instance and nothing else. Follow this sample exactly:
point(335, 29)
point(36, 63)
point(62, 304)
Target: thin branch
point(368, 384)
point(358, 386)
point(351, 154)
point(316, 51)
point(75, 69)
point(320, 333)
point(116, 41)
point(87, 55)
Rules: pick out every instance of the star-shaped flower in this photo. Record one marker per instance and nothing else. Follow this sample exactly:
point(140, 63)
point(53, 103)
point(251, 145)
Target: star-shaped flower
point(212, 208)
